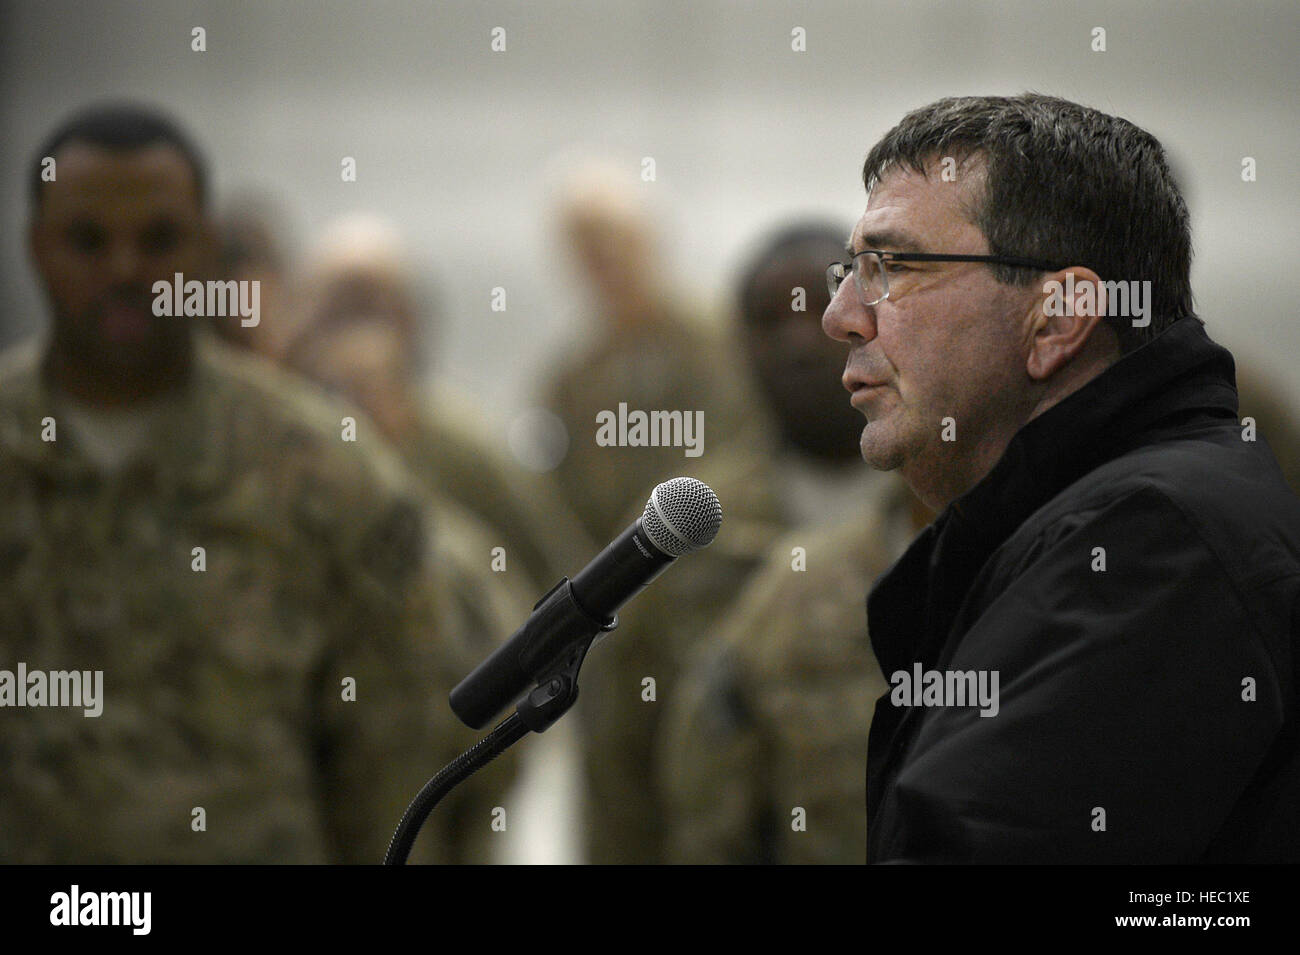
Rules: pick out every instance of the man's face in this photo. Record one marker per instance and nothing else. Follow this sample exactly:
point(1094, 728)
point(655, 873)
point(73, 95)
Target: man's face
point(949, 342)
point(797, 367)
point(614, 258)
point(367, 361)
point(113, 223)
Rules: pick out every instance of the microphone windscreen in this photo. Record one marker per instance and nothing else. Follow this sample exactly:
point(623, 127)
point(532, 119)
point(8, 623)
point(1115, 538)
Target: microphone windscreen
point(682, 515)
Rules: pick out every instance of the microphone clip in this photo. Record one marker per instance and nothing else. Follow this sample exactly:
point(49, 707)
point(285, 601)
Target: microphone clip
point(568, 627)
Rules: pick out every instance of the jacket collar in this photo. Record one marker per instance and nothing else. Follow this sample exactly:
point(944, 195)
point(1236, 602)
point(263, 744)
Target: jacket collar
point(1180, 373)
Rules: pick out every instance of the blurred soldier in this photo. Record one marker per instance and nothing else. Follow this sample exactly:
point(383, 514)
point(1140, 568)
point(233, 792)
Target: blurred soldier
point(1263, 400)
point(357, 331)
point(815, 463)
point(762, 752)
point(251, 248)
point(1258, 397)
point(192, 524)
point(650, 355)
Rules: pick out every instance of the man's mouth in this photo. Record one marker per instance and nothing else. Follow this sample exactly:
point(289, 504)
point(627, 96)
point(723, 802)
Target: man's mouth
point(862, 385)
point(863, 392)
point(124, 322)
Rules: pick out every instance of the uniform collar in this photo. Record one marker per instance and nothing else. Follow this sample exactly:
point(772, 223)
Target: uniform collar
point(187, 447)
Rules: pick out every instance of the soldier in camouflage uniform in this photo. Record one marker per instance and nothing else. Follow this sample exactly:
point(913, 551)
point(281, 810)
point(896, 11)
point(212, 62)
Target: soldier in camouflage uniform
point(275, 637)
point(761, 756)
point(357, 331)
point(650, 352)
point(653, 355)
point(668, 366)
point(251, 247)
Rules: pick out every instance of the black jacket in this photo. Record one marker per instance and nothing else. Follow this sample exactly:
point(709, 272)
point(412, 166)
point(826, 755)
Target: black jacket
point(1126, 729)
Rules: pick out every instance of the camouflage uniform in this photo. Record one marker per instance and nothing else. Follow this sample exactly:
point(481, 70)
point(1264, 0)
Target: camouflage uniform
point(224, 687)
point(775, 712)
point(525, 512)
point(674, 365)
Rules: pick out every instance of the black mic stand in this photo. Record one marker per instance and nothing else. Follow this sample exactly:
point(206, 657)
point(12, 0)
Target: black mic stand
point(556, 691)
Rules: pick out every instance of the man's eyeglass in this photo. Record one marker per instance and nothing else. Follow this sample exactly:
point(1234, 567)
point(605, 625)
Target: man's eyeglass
point(871, 269)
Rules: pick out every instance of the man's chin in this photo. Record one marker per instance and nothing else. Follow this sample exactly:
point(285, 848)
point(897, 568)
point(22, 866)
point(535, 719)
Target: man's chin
point(128, 357)
point(879, 452)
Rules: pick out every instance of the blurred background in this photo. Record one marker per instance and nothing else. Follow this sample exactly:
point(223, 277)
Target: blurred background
point(481, 170)
point(456, 144)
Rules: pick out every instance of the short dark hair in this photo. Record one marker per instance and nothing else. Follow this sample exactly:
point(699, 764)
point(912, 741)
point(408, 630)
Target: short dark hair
point(786, 241)
point(120, 126)
point(1063, 183)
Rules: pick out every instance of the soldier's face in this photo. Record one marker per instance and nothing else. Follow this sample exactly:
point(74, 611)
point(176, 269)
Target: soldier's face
point(946, 344)
point(615, 258)
point(367, 361)
point(798, 368)
point(110, 225)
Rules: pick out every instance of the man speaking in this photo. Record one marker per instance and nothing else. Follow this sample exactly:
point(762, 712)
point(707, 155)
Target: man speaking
point(1092, 650)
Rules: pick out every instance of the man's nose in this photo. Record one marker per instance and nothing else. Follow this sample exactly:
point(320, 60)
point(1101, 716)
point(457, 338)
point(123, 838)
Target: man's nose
point(846, 316)
point(125, 262)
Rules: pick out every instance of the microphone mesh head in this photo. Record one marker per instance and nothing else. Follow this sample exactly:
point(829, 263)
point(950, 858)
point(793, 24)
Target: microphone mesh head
point(682, 515)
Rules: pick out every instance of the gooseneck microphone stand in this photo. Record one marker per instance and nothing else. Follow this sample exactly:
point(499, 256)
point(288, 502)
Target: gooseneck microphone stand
point(556, 691)
point(546, 653)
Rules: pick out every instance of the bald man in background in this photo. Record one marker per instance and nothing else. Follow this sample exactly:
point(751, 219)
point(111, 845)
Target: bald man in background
point(649, 352)
point(359, 329)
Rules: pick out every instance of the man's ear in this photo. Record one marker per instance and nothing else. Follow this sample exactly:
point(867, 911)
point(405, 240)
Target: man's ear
point(38, 243)
point(1063, 317)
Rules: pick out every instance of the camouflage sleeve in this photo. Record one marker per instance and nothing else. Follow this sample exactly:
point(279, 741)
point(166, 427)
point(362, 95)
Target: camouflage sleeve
point(764, 751)
point(383, 726)
point(713, 763)
point(537, 523)
point(371, 712)
point(478, 610)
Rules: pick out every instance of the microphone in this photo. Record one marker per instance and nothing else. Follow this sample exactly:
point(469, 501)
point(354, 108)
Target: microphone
point(681, 516)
